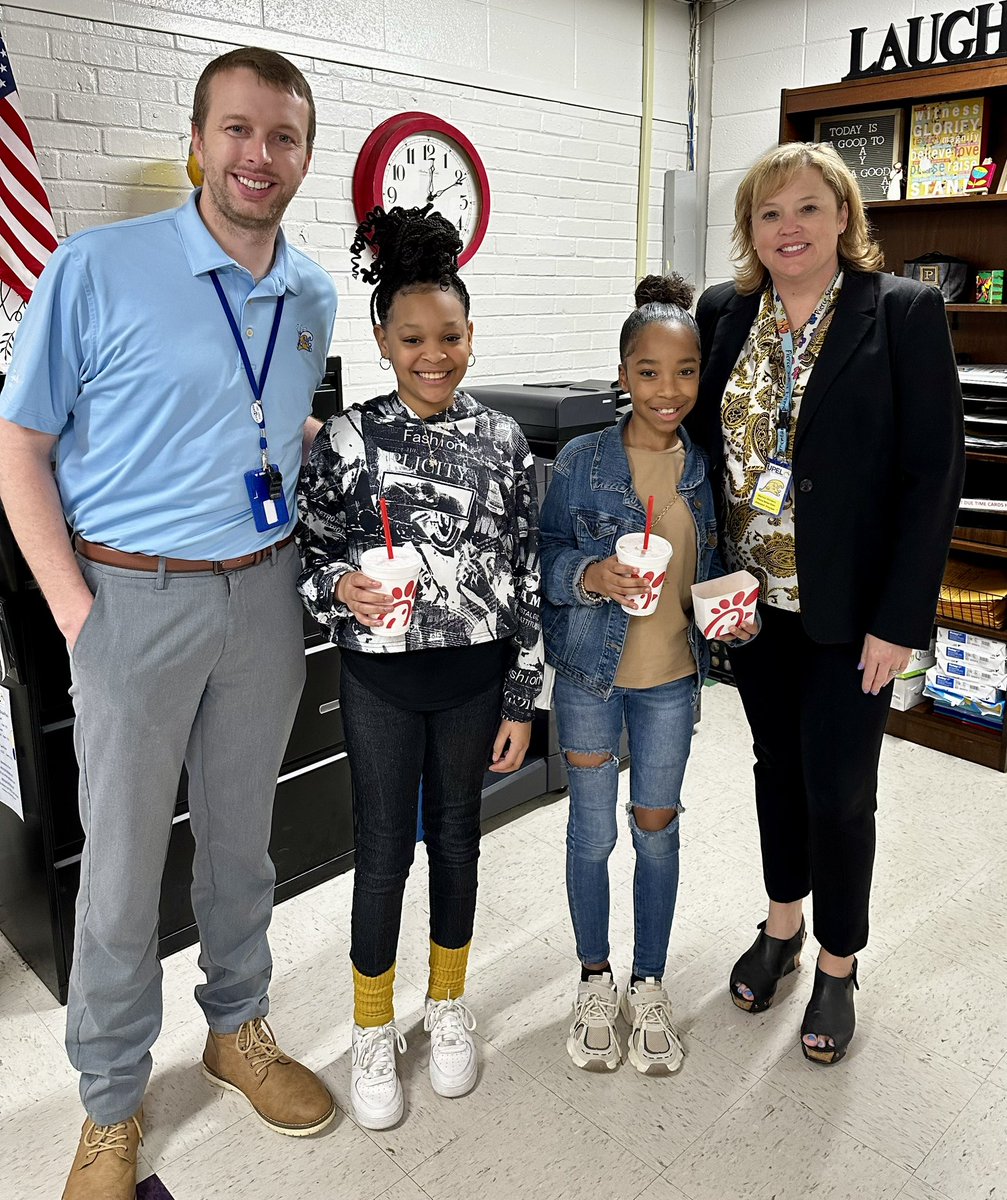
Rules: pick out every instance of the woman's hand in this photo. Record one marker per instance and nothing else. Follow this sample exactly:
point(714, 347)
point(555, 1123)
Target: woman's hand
point(880, 662)
point(740, 633)
point(613, 579)
point(363, 597)
point(518, 734)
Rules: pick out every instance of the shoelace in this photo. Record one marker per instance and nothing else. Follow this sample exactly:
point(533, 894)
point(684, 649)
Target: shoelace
point(111, 1137)
point(257, 1044)
point(594, 1008)
point(655, 1015)
point(446, 1022)
point(375, 1050)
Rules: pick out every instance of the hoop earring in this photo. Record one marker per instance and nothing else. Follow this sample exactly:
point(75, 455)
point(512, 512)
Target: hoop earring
point(472, 359)
point(385, 363)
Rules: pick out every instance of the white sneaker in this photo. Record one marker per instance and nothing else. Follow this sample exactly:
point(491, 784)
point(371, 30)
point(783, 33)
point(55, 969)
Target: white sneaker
point(375, 1091)
point(654, 1045)
point(593, 1043)
point(454, 1063)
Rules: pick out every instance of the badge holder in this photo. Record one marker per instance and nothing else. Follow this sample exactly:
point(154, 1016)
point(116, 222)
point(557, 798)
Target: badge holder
point(265, 493)
point(773, 488)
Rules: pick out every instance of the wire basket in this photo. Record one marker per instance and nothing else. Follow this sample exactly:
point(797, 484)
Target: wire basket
point(988, 609)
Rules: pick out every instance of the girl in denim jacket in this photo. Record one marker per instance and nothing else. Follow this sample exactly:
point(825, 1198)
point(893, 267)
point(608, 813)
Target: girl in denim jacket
point(643, 673)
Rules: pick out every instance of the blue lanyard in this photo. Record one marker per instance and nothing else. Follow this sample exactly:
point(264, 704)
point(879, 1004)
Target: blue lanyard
point(791, 365)
point(257, 385)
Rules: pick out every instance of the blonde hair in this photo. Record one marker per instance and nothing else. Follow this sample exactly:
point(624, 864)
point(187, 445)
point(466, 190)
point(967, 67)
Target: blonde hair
point(774, 170)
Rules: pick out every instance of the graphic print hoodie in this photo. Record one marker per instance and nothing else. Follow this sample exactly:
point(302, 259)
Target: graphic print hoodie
point(460, 487)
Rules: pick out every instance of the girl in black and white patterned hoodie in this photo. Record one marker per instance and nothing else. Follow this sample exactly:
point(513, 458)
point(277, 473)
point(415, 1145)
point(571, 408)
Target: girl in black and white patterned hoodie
point(457, 690)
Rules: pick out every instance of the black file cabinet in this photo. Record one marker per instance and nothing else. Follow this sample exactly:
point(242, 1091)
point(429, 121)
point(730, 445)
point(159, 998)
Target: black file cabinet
point(312, 835)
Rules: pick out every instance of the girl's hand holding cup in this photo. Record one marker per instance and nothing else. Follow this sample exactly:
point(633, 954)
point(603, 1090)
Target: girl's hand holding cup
point(613, 579)
point(363, 597)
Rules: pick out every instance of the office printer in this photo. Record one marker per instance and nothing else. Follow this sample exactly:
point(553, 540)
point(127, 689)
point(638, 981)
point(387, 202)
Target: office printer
point(551, 414)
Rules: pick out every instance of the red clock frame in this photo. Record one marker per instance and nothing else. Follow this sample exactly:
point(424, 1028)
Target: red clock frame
point(368, 174)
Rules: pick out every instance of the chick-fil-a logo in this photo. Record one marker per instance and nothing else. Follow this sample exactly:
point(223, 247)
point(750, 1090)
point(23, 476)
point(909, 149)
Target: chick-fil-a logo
point(729, 612)
point(646, 601)
point(402, 610)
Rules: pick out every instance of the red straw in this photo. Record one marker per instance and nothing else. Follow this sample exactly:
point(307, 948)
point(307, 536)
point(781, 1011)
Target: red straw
point(650, 521)
point(388, 528)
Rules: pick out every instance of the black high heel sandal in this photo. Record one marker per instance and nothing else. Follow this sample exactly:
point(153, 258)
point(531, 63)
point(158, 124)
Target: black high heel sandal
point(830, 1014)
point(763, 965)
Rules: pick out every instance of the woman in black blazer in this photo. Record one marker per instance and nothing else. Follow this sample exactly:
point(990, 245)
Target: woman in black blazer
point(864, 449)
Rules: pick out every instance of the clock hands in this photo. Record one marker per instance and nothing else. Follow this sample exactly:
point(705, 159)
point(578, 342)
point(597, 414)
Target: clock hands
point(433, 196)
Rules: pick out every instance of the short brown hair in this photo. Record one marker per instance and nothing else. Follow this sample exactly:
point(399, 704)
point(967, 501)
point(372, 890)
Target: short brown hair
point(774, 170)
point(271, 68)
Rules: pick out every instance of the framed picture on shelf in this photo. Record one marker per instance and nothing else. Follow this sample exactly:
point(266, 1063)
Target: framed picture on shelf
point(946, 140)
point(870, 143)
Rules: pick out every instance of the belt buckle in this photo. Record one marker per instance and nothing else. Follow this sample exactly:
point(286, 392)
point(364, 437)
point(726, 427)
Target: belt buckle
point(218, 568)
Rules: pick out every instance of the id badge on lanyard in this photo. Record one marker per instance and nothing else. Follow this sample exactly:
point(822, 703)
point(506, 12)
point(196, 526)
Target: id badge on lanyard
point(265, 484)
point(772, 488)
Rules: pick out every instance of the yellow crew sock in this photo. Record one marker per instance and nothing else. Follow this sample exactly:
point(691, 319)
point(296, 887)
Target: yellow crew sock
point(447, 971)
point(372, 998)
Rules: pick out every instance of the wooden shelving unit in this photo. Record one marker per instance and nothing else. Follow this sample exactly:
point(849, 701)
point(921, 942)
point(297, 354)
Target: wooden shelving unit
point(969, 227)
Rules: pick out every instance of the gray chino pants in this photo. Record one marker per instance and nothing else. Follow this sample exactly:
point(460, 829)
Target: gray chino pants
point(205, 669)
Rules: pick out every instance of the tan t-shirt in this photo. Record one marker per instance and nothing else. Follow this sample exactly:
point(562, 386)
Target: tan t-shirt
point(657, 647)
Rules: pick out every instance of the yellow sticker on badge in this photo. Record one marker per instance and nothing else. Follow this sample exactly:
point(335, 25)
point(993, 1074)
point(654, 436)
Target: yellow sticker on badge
point(773, 488)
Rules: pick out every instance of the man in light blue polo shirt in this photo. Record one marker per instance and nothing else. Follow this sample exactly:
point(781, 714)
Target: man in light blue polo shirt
point(170, 362)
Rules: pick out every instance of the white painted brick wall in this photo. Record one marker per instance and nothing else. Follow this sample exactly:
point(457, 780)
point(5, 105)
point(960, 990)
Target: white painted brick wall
point(760, 47)
point(108, 109)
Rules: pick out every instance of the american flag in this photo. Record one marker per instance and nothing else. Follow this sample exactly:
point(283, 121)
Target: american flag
point(27, 234)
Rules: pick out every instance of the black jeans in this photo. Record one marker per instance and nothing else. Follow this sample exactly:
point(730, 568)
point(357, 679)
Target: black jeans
point(817, 744)
point(391, 751)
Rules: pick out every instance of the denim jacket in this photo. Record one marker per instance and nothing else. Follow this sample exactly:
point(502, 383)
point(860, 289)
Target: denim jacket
point(591, 503)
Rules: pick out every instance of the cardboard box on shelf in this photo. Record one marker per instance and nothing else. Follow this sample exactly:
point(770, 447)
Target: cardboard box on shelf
point(919, 660)
point(907, 691)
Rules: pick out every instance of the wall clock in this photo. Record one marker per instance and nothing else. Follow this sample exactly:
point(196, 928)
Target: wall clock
point(415, 159)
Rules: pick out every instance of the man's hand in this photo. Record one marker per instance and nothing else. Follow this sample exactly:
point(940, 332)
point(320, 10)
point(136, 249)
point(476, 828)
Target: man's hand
point(613, 579)
point(518, 734)
point(363, 597)
point(72, 616)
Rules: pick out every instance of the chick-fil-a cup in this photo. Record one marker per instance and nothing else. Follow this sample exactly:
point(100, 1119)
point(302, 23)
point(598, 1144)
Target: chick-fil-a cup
point(651, 567)
point(397, 577)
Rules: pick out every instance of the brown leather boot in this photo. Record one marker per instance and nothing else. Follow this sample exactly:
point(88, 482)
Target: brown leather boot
point(105, 1165)
point(285, 1094)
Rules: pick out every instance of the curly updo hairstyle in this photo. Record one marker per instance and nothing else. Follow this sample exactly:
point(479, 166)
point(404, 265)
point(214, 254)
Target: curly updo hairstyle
point(663, 299)
point(413, 249)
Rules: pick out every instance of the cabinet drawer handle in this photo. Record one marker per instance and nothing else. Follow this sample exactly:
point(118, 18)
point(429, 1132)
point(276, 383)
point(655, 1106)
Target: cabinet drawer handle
point(327, 707)
point(314, 767)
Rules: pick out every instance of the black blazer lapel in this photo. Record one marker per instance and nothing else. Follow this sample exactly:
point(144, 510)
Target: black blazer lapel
point(723, 337)
point(732, 329)
point(854, 316)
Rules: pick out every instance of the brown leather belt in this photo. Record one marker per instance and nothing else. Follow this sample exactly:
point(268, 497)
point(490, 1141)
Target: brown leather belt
point(109, 557)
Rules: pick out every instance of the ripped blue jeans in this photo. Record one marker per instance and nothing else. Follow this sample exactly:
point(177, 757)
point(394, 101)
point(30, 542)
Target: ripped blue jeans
point(659, 723)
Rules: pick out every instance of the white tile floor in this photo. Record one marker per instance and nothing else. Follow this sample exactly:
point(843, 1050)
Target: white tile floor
point(918, 1110)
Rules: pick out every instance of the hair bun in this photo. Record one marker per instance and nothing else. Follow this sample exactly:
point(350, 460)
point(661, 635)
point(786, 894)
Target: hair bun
point(417, 243)
point(664, 289)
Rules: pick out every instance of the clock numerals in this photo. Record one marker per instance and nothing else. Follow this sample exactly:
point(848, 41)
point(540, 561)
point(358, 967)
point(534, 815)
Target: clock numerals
point(392, 194)
point(429, 152)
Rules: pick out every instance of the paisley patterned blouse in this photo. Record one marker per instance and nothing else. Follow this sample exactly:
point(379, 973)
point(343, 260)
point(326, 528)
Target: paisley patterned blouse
point(755, 541)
